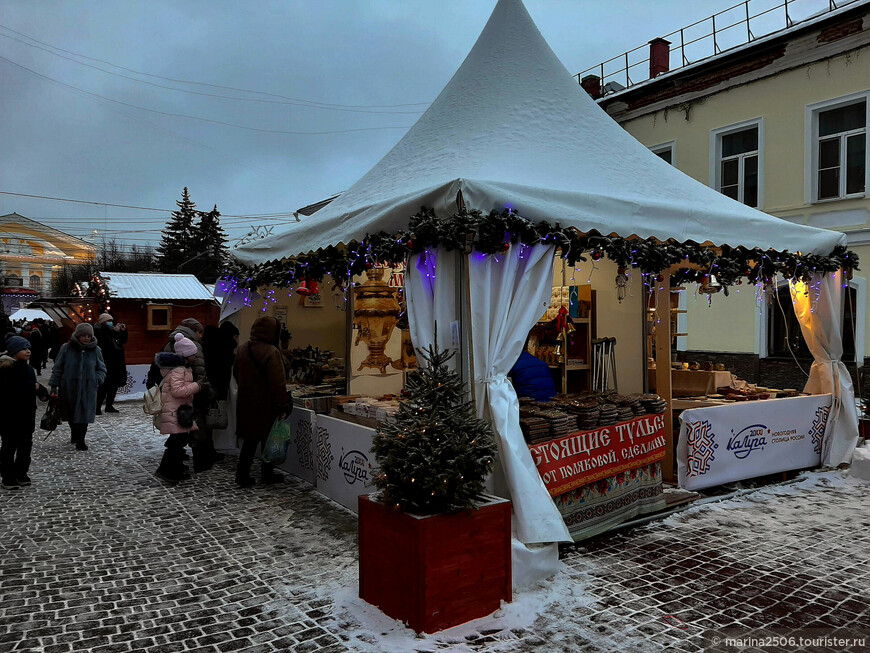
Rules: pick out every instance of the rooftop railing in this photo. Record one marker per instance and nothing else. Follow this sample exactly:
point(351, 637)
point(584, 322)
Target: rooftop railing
point(738, 25)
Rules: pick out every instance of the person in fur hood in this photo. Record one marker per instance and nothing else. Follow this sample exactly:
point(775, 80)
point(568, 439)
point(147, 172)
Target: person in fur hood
point(78, 372)
point(259, 370)
point(176, 416)
point(18, 393)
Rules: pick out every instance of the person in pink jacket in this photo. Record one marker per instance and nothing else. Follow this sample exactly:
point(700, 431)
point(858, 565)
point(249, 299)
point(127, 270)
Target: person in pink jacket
point(176, 417)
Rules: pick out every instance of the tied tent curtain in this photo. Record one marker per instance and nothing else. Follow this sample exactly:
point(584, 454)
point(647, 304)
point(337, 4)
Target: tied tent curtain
point(819, 309)
point(508, 293)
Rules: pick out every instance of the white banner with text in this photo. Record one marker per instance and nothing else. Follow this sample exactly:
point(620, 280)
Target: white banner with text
point(722, 444)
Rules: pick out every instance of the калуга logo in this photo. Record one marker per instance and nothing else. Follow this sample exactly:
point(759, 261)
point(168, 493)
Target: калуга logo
point(355, 465)
point(748, 440)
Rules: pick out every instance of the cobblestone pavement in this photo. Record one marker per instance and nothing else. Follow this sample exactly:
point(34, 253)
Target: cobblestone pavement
point(99, 555)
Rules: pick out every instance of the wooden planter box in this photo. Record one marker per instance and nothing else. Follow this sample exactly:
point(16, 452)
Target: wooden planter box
point(437, 571)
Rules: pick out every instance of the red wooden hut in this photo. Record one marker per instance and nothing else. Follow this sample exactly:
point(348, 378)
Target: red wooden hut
point(152, 304)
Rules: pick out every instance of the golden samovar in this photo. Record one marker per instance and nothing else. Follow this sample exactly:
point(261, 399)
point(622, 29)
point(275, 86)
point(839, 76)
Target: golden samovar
point(375, 313)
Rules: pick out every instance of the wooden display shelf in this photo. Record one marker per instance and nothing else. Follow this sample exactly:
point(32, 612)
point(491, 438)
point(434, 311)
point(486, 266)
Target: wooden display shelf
point(570, 366)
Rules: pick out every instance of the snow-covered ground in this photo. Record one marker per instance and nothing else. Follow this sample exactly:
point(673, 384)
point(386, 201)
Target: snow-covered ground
point(104, 554)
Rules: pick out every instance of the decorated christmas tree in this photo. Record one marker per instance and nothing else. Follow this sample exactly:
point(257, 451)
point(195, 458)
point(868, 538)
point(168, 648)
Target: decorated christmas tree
point(434, 458)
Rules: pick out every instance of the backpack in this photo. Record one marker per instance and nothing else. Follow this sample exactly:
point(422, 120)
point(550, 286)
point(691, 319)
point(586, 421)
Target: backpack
point(153, 400)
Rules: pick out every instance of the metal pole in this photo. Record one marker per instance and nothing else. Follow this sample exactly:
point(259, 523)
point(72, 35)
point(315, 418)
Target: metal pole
point(748, 30)
point(683, 48)
point(715, 45)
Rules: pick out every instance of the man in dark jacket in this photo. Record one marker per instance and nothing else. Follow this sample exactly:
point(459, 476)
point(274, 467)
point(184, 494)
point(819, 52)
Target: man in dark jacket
point(18, 393)
point(259, 370)
point(532, 378)
point(111, 339)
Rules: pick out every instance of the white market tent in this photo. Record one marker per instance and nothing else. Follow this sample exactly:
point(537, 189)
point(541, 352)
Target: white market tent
point(30, 314)
point(513, 129)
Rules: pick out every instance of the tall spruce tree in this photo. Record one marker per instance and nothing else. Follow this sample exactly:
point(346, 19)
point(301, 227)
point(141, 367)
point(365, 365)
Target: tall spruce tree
point(178, 243)
point(212, 239)
point(435, 457)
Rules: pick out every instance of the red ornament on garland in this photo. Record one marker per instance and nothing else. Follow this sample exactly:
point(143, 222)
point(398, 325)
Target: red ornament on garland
point(505, 247)
point(307, 288)
point(596, 255)
point(410, 244)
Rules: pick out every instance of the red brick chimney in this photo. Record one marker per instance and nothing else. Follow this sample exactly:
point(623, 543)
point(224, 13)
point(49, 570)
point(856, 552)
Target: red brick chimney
point(592, 85)
point(659, 57)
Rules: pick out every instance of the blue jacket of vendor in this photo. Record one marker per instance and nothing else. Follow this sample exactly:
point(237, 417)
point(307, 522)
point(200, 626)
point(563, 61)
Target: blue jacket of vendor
point(532, 378)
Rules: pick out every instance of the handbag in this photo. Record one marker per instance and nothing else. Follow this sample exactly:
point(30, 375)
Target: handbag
point(275, 449)
point(217, 417)
point(51, 419)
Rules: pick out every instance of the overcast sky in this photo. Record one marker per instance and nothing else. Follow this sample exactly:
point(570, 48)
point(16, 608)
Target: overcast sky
point(76, 78)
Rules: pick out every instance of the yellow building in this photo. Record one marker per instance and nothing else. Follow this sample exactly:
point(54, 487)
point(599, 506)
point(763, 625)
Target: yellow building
point(779, 123)
point(30, 254)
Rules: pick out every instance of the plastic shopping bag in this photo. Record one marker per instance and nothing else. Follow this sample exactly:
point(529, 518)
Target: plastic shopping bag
point(275, 451)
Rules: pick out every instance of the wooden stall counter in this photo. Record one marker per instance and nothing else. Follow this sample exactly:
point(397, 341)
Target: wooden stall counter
point(692, 383)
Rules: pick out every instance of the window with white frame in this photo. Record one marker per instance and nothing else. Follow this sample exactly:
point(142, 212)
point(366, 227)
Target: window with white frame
point(665, 152)
point(839, 149)
point(737, 162)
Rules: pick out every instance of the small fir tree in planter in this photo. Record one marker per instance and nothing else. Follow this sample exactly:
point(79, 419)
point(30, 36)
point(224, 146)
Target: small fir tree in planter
point(434, 551)
point(435, 457)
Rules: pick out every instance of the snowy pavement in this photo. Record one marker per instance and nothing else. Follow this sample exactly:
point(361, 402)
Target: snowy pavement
point(99, 555)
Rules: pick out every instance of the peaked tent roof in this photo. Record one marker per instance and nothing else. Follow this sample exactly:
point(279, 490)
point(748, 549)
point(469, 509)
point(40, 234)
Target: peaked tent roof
point(512, 128)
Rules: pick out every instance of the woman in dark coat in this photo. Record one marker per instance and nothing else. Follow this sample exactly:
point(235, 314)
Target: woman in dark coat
point(77, 374)
point(259, 370)
point(37, 348)
point(219, 347)
point(111, 339)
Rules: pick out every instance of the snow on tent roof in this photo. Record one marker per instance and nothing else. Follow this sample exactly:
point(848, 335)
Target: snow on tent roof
point(513, 129)
point(129, 285)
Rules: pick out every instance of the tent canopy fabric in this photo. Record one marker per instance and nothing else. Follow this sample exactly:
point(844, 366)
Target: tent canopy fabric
point(30, 314)
point(513, 129)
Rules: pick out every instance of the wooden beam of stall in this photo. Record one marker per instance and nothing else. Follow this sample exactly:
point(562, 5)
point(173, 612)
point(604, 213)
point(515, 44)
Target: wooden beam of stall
point(663, 370)
point(663, 363)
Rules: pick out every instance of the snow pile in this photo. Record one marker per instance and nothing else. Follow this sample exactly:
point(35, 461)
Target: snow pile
point(369, 629)
point(861, 464)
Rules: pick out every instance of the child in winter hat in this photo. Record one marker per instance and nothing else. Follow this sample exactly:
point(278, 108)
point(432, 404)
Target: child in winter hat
point(104, 317)
point(16, 344)
point(18, 393)
point(184, 347)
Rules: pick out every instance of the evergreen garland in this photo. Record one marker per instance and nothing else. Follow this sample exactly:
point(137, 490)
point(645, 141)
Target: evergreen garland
point(495, 233)
point(434, 458)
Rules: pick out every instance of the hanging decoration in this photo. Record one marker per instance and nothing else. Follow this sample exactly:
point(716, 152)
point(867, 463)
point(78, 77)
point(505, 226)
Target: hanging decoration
point(621, 283)
point(709, 285)
point(472, 230)
point(307, 288)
